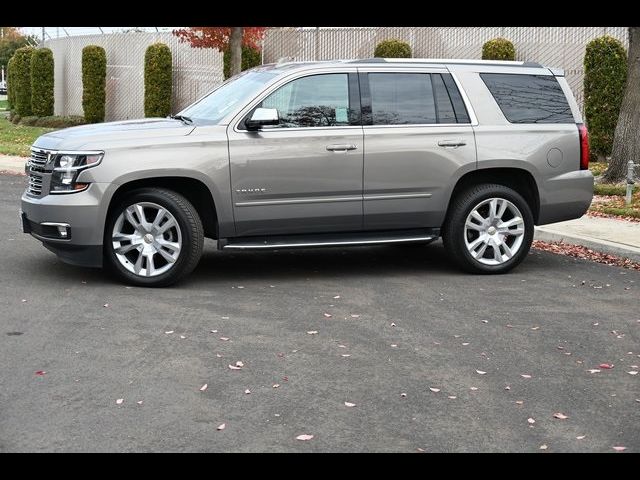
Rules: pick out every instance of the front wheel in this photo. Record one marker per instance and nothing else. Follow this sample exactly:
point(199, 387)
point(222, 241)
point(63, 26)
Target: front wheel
point(489, 229)
point(153, 238)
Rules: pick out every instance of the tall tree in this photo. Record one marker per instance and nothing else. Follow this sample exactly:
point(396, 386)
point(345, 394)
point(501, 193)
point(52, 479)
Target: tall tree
point(10, 40)
point(222, 38)
point(626, 141)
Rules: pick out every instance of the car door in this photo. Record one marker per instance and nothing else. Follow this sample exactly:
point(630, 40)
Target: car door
point(417, 133)
point(303, 175)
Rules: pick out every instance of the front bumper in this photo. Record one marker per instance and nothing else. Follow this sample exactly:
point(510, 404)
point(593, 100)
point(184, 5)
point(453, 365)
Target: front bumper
point(81, 213)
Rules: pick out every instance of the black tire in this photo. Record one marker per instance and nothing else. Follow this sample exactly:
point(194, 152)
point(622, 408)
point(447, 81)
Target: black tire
point(190, 226)
point(453, 232)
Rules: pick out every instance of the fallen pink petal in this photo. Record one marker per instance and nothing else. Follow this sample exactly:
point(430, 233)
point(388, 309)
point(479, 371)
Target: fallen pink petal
point(304, 437)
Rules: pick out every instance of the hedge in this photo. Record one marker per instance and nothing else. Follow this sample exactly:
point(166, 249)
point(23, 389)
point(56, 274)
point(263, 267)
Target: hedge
point(392, 49)
point(21, 81)
point(251, 57)
point(10, 90)
point(42, 82)
point(157, 81)
point(498, 49)
point(605, 74)
point(52, 121)
point(94, 75)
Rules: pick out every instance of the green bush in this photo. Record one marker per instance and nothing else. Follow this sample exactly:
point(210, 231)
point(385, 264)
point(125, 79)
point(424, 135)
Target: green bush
point(498, 49)
point(392, 49)
point(29, 121)
point(157, 81)
point(52, 121)
point(605, 74)
point(251, 57)
point(21, 80)
point(42, 82)
point(10, 90)
point(94, 81)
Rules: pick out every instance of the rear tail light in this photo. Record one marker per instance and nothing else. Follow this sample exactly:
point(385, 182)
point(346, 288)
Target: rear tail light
point(584, 147)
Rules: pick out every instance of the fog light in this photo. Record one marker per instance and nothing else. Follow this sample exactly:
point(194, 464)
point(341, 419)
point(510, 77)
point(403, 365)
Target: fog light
point(62, 231)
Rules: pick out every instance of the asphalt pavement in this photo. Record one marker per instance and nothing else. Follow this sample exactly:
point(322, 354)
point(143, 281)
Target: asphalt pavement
point(410, 354)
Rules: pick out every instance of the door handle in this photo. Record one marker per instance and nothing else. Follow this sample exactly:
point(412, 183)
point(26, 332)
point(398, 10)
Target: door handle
point(452, 143)
point(340, 148)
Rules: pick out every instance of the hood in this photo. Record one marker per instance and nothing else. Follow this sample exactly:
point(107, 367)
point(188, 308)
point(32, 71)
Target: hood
point(102, 135)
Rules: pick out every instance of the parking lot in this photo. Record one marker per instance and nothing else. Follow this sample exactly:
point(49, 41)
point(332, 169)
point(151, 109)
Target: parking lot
point(408, 353)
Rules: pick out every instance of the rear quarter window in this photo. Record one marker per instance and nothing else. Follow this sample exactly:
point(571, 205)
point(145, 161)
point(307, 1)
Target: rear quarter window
point(529, 98)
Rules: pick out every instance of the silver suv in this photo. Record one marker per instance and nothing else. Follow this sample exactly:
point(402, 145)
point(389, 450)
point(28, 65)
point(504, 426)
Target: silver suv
point(320, 154)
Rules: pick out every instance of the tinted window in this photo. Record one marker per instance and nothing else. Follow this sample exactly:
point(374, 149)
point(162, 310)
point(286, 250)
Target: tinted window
point(401, 98)
point(445, 107)
point(314, 101)
point(456, 99)
point(529, 98)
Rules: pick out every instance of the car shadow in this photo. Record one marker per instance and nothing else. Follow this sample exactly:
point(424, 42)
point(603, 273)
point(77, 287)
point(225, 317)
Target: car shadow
point(217, 267)
point(329, 262)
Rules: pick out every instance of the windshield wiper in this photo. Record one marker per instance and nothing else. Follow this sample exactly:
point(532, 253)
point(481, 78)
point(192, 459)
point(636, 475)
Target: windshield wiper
point(182, 118)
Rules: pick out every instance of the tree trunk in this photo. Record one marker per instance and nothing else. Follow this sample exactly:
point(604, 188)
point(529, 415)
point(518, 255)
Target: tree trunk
point(235, 50)
point(626, 140)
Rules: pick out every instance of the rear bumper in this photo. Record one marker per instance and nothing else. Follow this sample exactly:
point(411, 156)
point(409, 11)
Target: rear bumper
point(566, 197)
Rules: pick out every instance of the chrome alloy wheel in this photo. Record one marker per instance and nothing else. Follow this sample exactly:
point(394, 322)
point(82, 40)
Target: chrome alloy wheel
point(146, 239)
point(494, 231)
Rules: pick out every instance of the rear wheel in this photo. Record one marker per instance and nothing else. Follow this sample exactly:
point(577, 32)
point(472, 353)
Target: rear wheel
point(153, 238)
point(489, 229)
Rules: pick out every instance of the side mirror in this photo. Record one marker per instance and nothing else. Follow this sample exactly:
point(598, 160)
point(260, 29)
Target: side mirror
point(262, 117)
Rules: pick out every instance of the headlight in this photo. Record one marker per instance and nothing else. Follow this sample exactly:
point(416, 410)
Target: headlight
point(66, 168)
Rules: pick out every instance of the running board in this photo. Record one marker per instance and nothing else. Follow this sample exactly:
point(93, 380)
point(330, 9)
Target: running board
point(328, 240)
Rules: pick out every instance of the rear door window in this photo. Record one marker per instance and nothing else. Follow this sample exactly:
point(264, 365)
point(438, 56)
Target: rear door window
point(529, 98)
point(402, 99)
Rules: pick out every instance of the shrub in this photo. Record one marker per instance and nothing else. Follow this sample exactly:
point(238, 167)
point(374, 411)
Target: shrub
point(60, 122)
point(21, 80)
point(94, 75)
point(10, 89)
point(157, 81)
point(605, 74)
point(498, 49)
point(42, 82)
point(251, 57)
point(392, 49)
point(29, 121)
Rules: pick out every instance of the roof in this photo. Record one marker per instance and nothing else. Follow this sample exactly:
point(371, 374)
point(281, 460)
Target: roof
point(286, 64)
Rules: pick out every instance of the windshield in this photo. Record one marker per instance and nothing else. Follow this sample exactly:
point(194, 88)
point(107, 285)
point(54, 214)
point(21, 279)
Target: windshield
point(238, 90)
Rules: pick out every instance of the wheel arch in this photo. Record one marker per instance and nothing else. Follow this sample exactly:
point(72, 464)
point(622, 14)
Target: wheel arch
point(519, 179)
point(194, 190)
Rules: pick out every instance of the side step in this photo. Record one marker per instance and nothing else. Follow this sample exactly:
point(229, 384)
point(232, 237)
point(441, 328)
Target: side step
point(329, 239)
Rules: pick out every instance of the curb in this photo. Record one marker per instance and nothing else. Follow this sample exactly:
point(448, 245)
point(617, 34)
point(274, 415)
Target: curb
point(595, 244)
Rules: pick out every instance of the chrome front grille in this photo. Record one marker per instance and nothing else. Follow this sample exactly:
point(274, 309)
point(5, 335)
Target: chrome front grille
point(38, 160)
point(35, 184)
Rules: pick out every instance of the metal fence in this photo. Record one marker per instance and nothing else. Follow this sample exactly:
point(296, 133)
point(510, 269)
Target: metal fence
point(195, 71)
point(560, 47)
